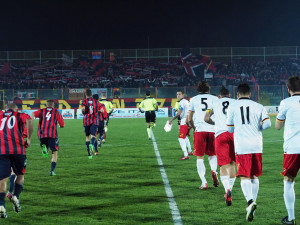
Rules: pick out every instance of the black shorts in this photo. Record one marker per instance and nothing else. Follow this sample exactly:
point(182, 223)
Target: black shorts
point(17, 162)
point(51, 143)
point(150, 116)
point(91, 130)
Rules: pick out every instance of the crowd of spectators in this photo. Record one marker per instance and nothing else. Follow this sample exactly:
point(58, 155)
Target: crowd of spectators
point(140, 73)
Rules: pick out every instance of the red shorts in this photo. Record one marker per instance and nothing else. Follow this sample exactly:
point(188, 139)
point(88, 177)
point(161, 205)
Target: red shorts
point(291, 164)
point(249, 165)
point(184, 130)
point(204, 143)
point(224, 147)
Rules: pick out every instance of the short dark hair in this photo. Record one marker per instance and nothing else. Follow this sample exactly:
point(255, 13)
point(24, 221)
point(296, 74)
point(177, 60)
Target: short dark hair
point(224, 91)
point(203, 87)
point(182, 92)
point(88, 92)
point(293, 83)
point(50, 102)
point(148, 93)
point(243, 89)
point(96, 96)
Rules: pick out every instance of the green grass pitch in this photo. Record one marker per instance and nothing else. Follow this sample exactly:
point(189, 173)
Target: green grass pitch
point(123, 184)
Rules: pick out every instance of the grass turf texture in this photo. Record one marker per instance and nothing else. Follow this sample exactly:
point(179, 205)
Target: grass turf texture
point(123, 185)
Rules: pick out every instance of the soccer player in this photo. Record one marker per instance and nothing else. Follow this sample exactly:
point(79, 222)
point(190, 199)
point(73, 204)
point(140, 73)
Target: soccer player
point(150, 105)
point(47, 131)
point(101, 118)
point(109, 109)
point(90, 108)
point(247, 119)
point(12, 153)
point(183, 129)
point(288, 116)
point(203, 133)
point(224, 144)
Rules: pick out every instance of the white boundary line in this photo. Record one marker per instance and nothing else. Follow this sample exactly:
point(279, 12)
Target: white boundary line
point(171, 199)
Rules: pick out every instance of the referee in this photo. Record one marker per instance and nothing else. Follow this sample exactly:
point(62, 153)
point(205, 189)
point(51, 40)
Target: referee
point(150, 106)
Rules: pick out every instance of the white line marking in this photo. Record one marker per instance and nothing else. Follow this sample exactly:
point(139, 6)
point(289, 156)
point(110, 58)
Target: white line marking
point(172, 202)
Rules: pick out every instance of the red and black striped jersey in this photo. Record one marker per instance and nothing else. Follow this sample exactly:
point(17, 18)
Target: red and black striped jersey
point(48, 118)
point(102, 116)
point(92, 108)
point(11, 128)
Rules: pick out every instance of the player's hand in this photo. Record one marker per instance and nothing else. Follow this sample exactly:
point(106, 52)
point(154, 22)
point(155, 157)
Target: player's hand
point(170, 122)
point(27, 143)
point(142, 111)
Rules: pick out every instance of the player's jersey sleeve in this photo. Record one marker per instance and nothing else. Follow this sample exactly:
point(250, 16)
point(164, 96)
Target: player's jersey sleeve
point(60, 120)
point(265, 119)
point(142, 104)
point(37, 113)
point(282, 112)
point(84, 103)
point(230, 119)
point(24, 117)
point(192, 107)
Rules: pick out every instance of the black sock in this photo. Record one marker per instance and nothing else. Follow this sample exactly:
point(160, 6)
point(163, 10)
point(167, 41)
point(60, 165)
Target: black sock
point(87, 143)
point(18, 190)
point(2, 197)
point(250, 202)
point(11, 183)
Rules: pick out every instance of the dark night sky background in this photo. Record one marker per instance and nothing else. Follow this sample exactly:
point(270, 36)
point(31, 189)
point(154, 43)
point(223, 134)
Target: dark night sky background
point(60, 24)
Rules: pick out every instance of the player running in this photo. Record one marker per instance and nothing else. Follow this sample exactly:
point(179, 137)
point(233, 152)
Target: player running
point(90, 108)
point(109, 109)
point(224, 144)
point(150, 106)
point(288, 116)
point(47, 131)
point(247, 119)
point(183, 129)
point(203, 133)
point(12, 153)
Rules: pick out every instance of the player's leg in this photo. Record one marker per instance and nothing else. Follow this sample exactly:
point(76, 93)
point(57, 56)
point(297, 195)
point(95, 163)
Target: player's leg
point(181, 137)
point(93, 130)
point(19, 167)
point(244, 163)
point(291, 164)
point(88, 140)
point(101, 133)
point(53, 145)
point(231, 166)
point(148, 120)
point(44, 147)
point(212, 158)
point(200, 146)
point(5, 171)
point(152, 119)
point(11, 186)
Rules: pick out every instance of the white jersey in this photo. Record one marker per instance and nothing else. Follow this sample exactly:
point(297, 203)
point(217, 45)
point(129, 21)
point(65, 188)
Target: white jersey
point(289, 111)
point(184, 105)
point(246, 116)
point(220, 108)
point(199, 104)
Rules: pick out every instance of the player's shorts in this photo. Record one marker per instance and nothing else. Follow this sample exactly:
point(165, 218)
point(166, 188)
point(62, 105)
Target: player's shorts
point(17, 162)
point(150, 116)
point(224, 147)
point(204, 143)
point(249, 165)
point(91, 130)
point(184, 130)
point(291, 164)
point(101, 127)
point(51, 143)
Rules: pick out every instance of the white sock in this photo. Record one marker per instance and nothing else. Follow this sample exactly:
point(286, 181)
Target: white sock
point(183, 146)
point(201, 170)
point(188, 144)
point(247, 189)
point(213, 163)
point(255, 187)
point(231, 183)
point(225, 182)
point(289, 198)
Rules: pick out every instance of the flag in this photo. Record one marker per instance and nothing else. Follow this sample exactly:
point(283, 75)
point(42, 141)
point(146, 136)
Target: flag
point(67, 60)
point(190, 65)
point(5, 69)
point(98, 67)
point(83, 61)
